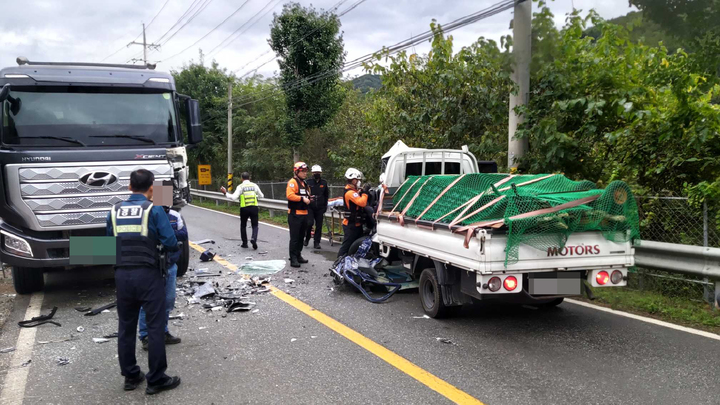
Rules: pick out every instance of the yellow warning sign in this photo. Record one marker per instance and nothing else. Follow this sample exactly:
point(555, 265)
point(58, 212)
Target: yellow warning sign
point(204, 177)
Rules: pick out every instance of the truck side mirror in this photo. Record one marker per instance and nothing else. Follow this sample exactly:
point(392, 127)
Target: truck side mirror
point(194, 126)
point(4, 92)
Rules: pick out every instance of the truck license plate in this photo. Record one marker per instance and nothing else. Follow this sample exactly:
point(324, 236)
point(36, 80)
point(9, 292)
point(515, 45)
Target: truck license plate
point(554, 283)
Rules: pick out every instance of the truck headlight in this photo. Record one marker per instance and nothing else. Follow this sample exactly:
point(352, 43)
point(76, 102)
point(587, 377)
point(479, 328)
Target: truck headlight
point(16, 244)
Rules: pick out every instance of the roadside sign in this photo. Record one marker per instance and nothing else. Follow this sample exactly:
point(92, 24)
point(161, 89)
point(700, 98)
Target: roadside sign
point(204, 177)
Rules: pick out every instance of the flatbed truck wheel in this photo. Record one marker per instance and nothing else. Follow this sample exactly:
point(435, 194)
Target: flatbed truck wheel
point(431, 298)
point(27, 280)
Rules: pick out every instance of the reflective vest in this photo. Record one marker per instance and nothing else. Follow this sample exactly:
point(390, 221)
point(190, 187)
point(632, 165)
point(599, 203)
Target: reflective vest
point(130, 227)
point(299, 188)
point(248, 196)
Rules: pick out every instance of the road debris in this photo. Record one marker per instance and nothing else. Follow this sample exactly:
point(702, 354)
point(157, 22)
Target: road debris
point(202, 327)
point(103, 308)
point(292, 340)
point(63, 361)
point(238, 306)
point(27, 363)
point(204, 241)
point(255, 311)
point(101, 340)
point(289, 281)
point(7, 350)
point(110, 336)
point(207, 255)
point(82, 309)
point(204, 290)
point(68, 339)
point(39, 320)
point(446, 341)
point(262, 267)
point(178, 316)
point(421, 317)
point(80, 329)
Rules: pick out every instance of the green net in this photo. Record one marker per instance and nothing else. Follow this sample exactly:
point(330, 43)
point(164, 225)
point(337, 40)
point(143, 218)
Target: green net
point(480, 199)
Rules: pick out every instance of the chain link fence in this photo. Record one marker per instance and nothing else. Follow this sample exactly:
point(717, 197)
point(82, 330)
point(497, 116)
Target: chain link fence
point(674, 220)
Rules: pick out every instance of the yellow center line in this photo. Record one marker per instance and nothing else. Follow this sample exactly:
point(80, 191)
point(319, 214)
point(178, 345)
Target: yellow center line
point(433, 382)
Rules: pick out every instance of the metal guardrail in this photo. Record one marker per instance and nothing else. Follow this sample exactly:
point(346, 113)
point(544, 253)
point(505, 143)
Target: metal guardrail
point(278, 205)
point(685, 259)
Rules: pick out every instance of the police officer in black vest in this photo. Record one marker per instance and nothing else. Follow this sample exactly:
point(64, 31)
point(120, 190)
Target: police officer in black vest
point(141, 230)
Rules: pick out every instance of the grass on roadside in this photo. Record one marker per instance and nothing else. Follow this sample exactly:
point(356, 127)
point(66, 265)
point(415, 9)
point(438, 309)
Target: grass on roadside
point(675, 310)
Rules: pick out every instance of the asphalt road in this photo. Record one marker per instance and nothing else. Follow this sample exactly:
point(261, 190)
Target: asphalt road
point(280, 355)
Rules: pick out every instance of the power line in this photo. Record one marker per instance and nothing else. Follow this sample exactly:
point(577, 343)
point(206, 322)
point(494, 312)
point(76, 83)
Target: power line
point(209, 32)
point(200, 10)
point(398, 47)
point(139, 35)
point(223, 43)
point(303, 37)
point(191, 7)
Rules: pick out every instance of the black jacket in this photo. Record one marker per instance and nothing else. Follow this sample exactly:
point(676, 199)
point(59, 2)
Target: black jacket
point(320, 190)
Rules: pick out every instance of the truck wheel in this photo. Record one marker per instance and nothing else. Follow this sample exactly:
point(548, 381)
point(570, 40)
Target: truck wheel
point(184, 259)
point(27, 280)
point(431, 298)
point(355, 246)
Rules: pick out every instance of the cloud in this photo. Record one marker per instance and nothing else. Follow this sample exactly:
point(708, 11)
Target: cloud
point(86, 30)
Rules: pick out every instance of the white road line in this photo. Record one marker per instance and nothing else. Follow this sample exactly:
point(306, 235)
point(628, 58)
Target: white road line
point(646, 319)
point(581, 303)
point(13, 389)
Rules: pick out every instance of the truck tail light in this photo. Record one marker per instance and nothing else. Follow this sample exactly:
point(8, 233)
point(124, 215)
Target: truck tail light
point(602, 278)
point(510, 283)
point(616, 277)
point(494, 284)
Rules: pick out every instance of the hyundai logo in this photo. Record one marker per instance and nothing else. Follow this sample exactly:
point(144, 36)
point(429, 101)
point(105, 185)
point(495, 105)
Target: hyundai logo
point(98, 179)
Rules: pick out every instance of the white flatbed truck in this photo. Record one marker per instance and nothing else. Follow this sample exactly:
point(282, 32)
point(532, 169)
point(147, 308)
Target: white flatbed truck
point(451, 274)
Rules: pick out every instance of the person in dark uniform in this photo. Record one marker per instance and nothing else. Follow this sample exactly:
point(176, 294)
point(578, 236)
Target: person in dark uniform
point(318, 205)
point(140, 228)
point(298, 196)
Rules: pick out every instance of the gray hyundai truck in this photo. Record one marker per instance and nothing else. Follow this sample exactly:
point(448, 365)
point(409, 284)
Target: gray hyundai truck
point(71, 134)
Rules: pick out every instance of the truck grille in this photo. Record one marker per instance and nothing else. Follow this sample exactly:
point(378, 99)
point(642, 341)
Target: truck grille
point(58, 196)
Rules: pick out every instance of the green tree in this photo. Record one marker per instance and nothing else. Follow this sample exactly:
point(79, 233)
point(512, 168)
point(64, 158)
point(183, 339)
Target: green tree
point(444, 99)
point(209, 86)
point(310, 50)
point(696, 22)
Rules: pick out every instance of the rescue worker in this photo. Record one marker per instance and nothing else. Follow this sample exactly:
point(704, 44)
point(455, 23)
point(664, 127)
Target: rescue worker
point(298, 196)
point(248, 193)
point(173, 258)
point(318, 205)
point(140, 228)
point(355, 200)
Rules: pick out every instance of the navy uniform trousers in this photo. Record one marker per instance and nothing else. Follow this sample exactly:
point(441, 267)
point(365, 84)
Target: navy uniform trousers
point(136, 287)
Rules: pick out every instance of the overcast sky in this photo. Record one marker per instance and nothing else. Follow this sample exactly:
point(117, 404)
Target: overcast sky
point(91, 30)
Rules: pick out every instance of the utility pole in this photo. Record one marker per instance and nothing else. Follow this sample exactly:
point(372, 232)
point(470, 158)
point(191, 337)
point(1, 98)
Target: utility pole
point(145, 46)
point(522, 28)
point(230, 172)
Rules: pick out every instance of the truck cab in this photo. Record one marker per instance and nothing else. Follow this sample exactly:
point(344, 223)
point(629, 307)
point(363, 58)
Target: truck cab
point(70, 135)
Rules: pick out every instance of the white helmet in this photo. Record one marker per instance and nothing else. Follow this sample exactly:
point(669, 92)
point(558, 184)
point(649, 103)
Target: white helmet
point(316, 169)
point(352, 174)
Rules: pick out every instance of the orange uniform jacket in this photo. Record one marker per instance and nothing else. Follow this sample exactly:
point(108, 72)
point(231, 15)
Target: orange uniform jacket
point(351, 195)
point(294, 193)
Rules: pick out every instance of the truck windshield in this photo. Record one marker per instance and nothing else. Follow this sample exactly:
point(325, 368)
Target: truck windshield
point(91, 116)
